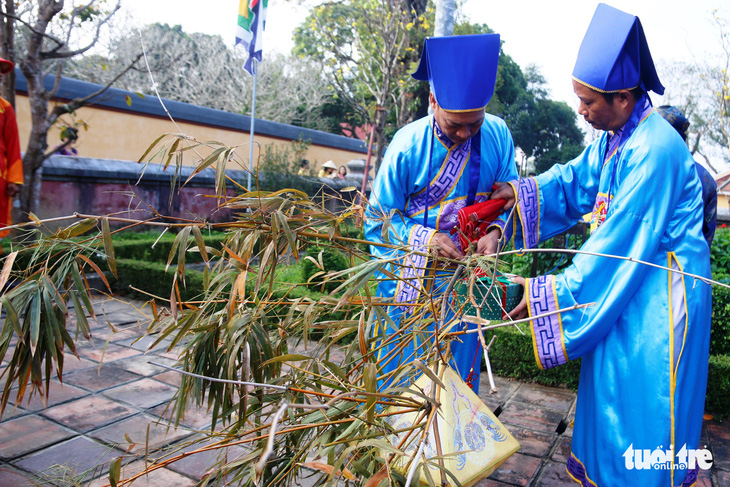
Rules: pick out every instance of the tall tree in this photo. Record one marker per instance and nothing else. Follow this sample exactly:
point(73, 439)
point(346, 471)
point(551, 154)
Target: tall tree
point(201, 69)
point(40, 36)
point(542, 128)
point(365, 48)
point(700, 89)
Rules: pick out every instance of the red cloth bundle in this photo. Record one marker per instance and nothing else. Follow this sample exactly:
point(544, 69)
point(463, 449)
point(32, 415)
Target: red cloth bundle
point(474, 220)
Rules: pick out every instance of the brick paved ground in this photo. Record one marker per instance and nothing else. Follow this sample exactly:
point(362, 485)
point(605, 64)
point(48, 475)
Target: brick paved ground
point(94, 415)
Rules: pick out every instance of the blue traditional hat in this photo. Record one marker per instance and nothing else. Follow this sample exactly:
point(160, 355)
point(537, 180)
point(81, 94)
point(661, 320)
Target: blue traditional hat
point(674, 116)
point(462, 70)
point(614, 54)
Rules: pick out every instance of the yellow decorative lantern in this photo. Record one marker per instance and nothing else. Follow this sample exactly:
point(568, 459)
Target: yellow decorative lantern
point(473, 442)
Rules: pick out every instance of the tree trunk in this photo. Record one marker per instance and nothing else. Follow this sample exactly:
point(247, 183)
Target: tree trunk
point(444, 18)
point(7, 38)
point(35, 153)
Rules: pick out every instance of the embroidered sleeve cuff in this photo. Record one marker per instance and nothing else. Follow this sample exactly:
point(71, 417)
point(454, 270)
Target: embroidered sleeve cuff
point(547, 332)
point(528, 210)
point(414, 266)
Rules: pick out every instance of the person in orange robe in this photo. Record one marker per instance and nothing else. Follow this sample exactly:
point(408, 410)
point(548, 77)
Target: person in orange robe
point(11, 164)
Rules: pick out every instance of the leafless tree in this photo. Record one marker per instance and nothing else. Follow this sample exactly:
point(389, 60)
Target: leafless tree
point(40, 36)
point(201, 69)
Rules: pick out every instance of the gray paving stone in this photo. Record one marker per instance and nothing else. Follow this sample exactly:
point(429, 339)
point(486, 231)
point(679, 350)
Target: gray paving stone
point(99, 378)
point(143, 393)
point(140, 364)
point(78, 455)
point(27, 433)
point(88, 413)
point(136, 429)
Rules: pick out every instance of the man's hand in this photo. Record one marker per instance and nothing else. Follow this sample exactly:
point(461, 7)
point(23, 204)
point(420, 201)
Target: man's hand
point(12, 189)
point(445, 247)
point(519, 311)
point(504, 191)
point(488, 244)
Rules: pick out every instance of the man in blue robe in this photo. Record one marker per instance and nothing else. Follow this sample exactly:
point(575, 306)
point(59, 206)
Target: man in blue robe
point(434, 167)
point(676, 118)
point(644, 343)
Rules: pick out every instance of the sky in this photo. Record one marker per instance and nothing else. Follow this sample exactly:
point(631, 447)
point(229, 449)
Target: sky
point(546, 33)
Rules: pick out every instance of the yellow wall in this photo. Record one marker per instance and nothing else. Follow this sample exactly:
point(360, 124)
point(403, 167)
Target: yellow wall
point(113, 134)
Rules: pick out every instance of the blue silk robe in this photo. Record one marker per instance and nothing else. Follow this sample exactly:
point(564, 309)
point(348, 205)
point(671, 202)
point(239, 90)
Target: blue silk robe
point(419, 197)
point(645, 343)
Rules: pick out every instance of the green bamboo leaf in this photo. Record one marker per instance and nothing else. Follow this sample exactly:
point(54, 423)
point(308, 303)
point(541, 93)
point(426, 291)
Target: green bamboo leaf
point(81, 289)
point(282, 222)
point(207, 162)
point(182, 249)
point(266, 261)
point(34, 319)
point(371, 385)
point(108, 246)
point(82, 324)
point(173, 250)
point(152, 146)
point(201, 242)
point(11, 316)
point(171, 152)
point(354, 283)
point(53, 291)
point(115, 470)
point(291, 357)
point(78, 228)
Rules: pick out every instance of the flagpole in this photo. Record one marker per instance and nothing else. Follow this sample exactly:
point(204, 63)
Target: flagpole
point(251, 127)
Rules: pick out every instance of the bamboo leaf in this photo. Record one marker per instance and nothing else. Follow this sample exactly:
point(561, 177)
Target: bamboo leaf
point(152, 146)
point(34, 319)
point(171, 152)
point(12, 316)
point(173, 250)
point(96, 269)
point(184, 236)
point(288, 233)
point(82, 325)
point(7, 268)
point(328, 469)
point(115, 470)
point(375, 480)
point(419, 365)
point(291, 357)
point(76, 229)
point(208, 161)
point(173, 298)
point(371, 385)
point(52, 291)
point(201, 242)
point(81, 289)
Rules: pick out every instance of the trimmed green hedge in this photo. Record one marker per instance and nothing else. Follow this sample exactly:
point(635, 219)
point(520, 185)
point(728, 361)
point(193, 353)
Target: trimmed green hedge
point(152, 278)
point(142, 248)
point(717, 400)
point(720, 337)
point(512, 356)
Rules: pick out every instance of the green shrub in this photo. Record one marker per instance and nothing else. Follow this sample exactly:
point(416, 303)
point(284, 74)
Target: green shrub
point(718, 386)
point(332, 260)
point(512, 356)
point(720, 255)
point(720, 337)
point(151, 277)
point(158, 250)
point(547, 263)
